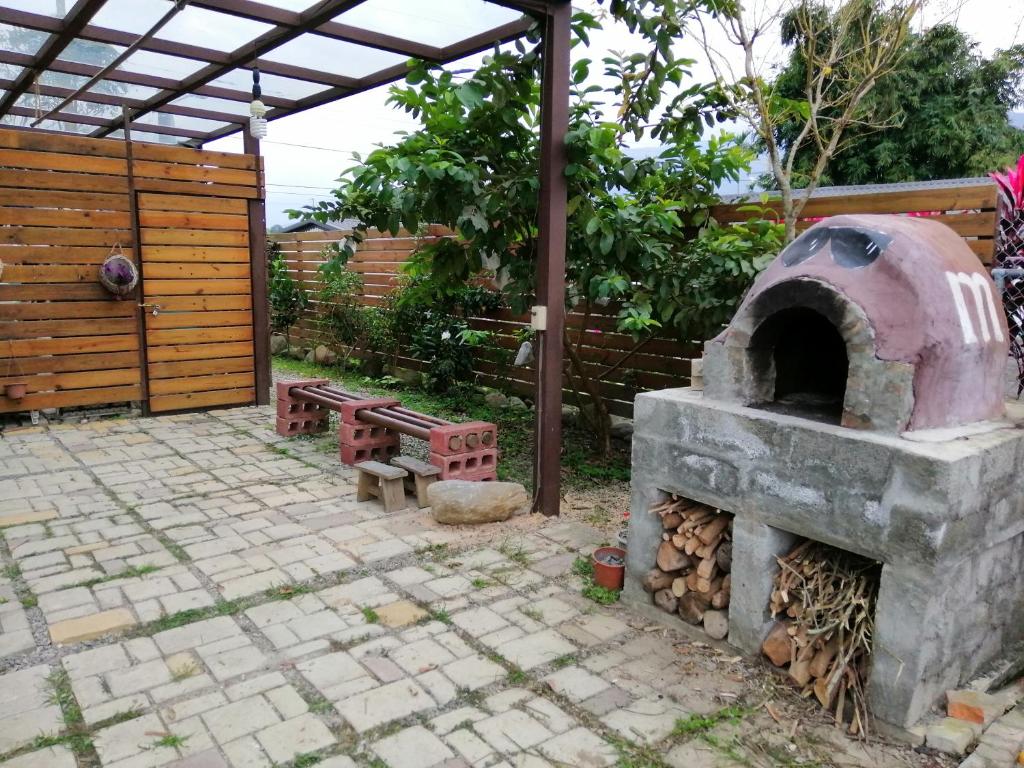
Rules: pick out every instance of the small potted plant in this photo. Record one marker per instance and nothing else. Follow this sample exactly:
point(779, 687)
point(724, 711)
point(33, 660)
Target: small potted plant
point(13, 390)
point(609, 567)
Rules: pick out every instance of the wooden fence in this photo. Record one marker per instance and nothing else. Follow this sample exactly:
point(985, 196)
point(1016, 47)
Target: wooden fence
point(661, 362)
point(969, 208)
point(64, 202)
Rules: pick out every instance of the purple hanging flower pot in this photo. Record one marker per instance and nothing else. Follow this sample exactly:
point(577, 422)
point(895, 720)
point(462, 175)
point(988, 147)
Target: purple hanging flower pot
point(118, 273)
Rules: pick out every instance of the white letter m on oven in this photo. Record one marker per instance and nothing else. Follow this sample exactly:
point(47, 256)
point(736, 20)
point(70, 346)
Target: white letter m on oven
point(981, 288)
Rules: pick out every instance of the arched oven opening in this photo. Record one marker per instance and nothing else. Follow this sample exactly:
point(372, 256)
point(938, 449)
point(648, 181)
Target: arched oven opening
point(806, 356)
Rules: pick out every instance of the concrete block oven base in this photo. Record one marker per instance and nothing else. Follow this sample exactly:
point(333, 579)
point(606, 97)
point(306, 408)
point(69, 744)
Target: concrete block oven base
point(942, 510)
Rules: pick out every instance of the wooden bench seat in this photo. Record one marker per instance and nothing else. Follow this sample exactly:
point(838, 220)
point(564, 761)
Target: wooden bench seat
point(423, 474)
point(383, 482)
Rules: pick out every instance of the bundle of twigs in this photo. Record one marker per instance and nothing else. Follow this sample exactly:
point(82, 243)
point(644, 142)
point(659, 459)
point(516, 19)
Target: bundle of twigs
point(827, 598)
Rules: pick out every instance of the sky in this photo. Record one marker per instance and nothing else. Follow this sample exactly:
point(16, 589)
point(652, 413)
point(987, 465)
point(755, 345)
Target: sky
point(306, 153)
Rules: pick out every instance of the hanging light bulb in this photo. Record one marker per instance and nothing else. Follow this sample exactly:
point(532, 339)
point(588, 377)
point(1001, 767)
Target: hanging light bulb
point(257, 109)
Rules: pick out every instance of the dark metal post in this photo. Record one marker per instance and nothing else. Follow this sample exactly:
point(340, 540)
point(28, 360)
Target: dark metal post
point(554, 125)
point(258, 274)
point(140, 309)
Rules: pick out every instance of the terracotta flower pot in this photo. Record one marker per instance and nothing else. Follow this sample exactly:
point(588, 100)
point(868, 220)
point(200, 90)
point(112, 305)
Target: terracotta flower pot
point(609, 575)
point(15, 390)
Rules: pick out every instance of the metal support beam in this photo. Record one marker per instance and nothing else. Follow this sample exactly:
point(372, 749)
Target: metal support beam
point(77, 18)
point(554, 126)
point(259, 277)
point(244, 55)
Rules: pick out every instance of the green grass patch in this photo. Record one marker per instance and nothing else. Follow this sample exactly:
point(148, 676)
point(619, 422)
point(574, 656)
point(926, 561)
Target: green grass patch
point(698, 725)
point(442, 615)
point(131, 572)
point(584, 568)
point(305, 760)
point(171, 740)
point(564, 661)
point(287, 591)
point(370, 615)
point(29, 601)
point(479, 583)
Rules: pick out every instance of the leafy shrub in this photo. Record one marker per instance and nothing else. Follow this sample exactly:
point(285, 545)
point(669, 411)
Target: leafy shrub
point(287, 299)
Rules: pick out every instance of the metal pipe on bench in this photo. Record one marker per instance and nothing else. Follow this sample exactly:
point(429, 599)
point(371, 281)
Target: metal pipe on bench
point(379, 419)
point(315, 397)
point(421, 416)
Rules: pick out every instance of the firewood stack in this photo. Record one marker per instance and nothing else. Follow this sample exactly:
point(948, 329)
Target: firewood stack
point(693, 564)
point(826, 600)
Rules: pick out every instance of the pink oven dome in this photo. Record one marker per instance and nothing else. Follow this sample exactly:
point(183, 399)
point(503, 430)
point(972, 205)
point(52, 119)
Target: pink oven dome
point(925, 335)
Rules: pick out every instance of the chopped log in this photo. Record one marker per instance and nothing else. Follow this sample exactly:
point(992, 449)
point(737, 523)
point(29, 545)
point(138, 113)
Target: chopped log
point(823, 657)
point(670, 558)
point(724, 556)
point(665, 600)
point(800, 671)
point(671, 520)
point(708, 550)
point(720, 599)
point(657, 579)
point(692, 544)
point(714, 529)
point(777, 644)
point(707, 568)
point(679, 586)
point(691, 581)
point(691, 608)
point(678, 541)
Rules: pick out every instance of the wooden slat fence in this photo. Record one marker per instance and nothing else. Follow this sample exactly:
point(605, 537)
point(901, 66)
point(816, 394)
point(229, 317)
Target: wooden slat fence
point(661, 363)
point(64, 202)
point(969, 208)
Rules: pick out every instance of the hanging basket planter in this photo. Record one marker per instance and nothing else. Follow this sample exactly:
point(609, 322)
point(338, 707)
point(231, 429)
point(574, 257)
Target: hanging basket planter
point(118, 273)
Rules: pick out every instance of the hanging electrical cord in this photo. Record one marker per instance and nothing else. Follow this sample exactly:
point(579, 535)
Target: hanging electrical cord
point(178, 6)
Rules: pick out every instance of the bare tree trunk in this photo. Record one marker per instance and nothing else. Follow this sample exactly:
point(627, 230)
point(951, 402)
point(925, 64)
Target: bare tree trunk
point(601, 423)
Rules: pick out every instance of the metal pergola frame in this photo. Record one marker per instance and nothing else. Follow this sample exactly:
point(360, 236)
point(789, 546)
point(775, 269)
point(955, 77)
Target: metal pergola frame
point(286, 26)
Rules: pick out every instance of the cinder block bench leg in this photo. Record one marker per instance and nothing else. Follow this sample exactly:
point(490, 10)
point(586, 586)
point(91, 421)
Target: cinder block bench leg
point(392, 493)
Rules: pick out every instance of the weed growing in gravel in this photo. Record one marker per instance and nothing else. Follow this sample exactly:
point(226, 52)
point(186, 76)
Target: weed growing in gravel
point(700, 724)
point(305, 760)
point(370, 615)
point(128, 573)
point(442, 615)
point(564, 661)
point(479, 583)
point(171, 740)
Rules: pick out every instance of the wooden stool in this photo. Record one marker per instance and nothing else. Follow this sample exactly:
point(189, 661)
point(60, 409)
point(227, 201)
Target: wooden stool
point(423, 475)
point(382, 481)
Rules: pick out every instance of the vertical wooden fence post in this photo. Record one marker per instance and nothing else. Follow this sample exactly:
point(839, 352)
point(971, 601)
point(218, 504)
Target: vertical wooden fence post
point(258, 271)
point(140, 310)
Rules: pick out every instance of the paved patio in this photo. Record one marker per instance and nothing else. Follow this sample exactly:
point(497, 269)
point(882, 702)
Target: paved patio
point(195, 591)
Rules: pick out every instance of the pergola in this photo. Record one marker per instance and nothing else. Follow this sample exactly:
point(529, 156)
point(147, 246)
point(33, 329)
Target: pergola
point(134, 69)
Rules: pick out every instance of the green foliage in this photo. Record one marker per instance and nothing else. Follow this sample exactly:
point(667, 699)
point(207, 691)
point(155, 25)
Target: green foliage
point(287, 299)
point(944, 110)
point(433, 318)
point(472, 166)
point(340, 311)
point(170, 740)
point(698, 725)
point(370, 615)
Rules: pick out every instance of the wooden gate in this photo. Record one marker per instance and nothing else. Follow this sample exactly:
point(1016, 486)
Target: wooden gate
point(64, 202)
point(196, 277)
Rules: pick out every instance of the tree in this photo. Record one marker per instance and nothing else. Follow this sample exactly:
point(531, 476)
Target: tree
point(945, 109)
point(847, 47)
point(639, 235)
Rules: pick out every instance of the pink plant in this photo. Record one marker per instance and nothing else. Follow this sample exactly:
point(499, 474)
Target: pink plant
point(1011, 182)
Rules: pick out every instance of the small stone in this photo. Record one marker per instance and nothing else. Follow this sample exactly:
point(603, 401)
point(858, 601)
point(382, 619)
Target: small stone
point(570, 415)
point(461, 502)
point(496, 399)
point(665, 600)
point(324, 355)
point(400, 614)
point(278, 344)
point(620, 427)
point(950, 736)
point(407, 376)
point(517, 404)
point(716, 624)
point(297, 353)
point(973, 706)
point(92, 626)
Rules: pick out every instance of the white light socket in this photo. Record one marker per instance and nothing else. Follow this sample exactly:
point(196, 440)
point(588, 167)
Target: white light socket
point(539, 318)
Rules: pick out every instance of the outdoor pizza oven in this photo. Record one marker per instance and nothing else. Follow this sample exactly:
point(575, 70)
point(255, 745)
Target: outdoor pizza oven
point(873, 322)
point(856, 399)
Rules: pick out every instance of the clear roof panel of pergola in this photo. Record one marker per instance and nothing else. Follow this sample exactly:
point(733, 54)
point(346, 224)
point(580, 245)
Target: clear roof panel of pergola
point(185, 69)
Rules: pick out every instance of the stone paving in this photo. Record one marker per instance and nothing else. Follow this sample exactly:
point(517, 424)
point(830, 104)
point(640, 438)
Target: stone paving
point(195, 591)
